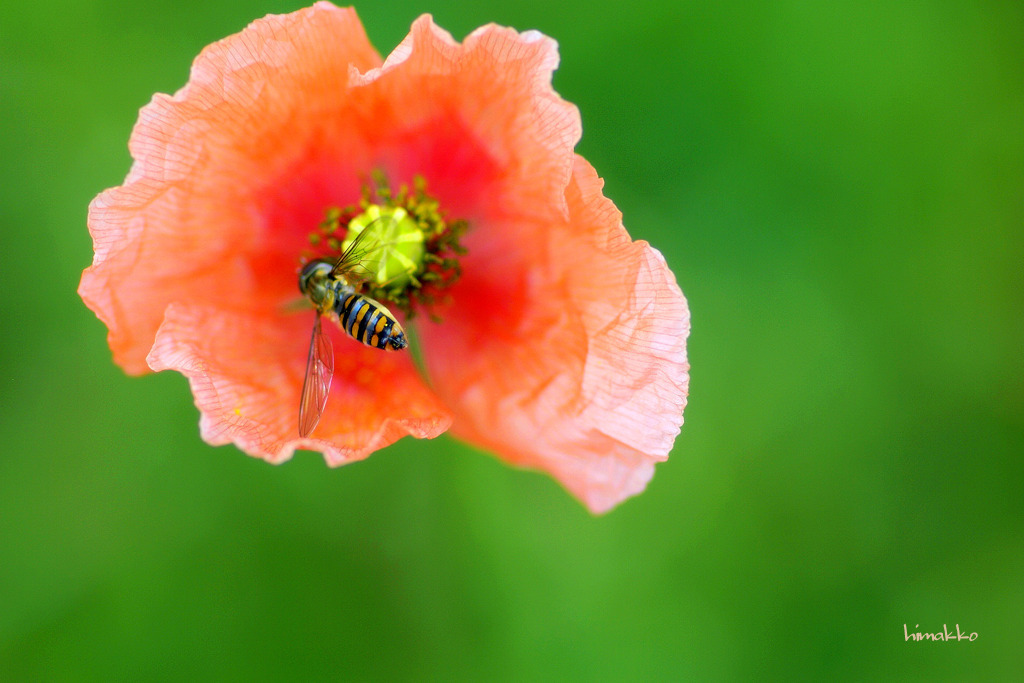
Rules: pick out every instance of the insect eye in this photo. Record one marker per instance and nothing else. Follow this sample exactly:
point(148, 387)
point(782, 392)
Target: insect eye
point(314, 269)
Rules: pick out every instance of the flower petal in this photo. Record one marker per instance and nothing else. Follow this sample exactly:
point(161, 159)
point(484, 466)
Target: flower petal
point(567, 354)
point(473, 118)
point(242, 389)
point(214, 197)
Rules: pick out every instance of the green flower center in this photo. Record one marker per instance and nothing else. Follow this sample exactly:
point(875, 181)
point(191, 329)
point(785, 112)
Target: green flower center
point(394, 246)
point(402, 248)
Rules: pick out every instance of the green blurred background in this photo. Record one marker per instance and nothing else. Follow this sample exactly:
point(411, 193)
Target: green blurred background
point(838, 187)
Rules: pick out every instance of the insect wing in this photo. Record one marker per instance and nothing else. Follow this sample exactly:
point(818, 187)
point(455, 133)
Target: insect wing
point(356, 253)
point(317, 383)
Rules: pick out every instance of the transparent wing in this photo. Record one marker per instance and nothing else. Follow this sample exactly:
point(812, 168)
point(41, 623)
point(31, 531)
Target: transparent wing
point(317, 383)
point(356, 252)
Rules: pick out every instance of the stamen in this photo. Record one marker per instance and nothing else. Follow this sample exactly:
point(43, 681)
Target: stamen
point(409, 253)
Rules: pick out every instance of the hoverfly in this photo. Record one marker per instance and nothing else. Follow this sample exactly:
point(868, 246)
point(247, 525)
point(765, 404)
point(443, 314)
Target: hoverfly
point(332, 287)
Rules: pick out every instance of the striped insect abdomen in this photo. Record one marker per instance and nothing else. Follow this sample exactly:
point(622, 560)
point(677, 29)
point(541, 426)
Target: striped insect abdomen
point(369, 322)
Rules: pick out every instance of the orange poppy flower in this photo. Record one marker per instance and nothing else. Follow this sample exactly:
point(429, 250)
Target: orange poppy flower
point(562, 345)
